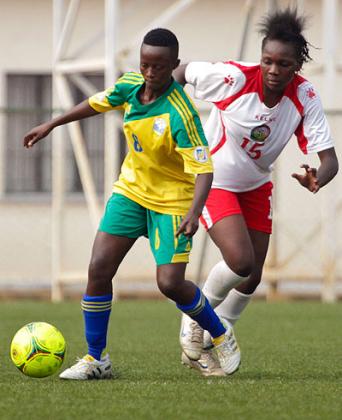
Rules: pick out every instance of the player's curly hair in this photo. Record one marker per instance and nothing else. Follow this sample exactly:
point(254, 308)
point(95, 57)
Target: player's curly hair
point(286, 26)
point(161, 37)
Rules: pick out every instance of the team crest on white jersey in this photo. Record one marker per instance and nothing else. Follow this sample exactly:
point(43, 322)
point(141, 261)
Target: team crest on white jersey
point(159, 126)
point(201, 154)
point(260, 133)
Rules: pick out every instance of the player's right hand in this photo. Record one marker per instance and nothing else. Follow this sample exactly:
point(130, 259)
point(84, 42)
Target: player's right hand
point(36, 134)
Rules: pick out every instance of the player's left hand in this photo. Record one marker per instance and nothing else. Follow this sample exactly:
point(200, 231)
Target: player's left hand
point(188, 226)
point(309, 179)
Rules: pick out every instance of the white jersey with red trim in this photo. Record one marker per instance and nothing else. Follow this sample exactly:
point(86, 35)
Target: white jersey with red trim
point(244, 135)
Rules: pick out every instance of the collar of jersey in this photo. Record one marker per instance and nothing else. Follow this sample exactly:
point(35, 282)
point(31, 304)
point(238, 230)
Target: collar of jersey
point(138, 104)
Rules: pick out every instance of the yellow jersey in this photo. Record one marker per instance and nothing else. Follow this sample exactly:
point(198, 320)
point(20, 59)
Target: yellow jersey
point(166, 145)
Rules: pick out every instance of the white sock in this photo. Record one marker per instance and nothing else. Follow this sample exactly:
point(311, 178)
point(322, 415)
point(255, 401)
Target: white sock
point(232, 307)
point(220, 281)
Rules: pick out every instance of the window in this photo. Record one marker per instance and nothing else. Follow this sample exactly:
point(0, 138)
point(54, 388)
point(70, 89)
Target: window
point(29, 99)
point(29, 103)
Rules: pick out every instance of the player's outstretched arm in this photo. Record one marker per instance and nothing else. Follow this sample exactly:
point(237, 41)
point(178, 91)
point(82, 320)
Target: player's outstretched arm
point(179, 74)
point(78, 112)
point(314, 179)
point(189, 224)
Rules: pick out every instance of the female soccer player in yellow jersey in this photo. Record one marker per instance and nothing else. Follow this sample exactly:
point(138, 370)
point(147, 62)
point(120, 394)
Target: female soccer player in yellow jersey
point(161, 191)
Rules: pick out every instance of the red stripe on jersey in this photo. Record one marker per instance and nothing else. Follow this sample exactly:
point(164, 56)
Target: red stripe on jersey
point(253, 84)
point(222, 141)
point(291, 92)
point(301, 139)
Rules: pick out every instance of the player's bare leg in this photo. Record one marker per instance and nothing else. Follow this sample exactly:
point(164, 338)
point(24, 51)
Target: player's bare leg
point(231, 236)
point(108, 253)
point(171, 282)
point(238, 298)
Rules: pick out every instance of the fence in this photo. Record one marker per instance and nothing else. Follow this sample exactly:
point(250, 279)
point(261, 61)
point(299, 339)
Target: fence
point(304, 253)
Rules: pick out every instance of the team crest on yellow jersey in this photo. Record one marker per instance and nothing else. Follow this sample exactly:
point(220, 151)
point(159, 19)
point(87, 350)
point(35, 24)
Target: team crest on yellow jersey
point(201, 154)
point(159, 126)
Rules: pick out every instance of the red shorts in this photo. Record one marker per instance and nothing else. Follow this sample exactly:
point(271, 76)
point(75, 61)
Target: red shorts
point(255, 206)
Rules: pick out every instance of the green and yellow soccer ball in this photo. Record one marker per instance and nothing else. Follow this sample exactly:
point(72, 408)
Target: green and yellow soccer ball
point(38, 349)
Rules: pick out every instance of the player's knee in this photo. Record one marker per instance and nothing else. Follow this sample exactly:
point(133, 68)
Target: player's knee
point(241, 261)
point(100, 271)
point(249, 286)
point(167, 286)
point(242, 267)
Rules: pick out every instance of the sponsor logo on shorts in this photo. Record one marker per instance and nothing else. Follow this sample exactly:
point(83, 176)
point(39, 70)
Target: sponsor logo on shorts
point(201, 154)
point(260, 133)
point(159, 126)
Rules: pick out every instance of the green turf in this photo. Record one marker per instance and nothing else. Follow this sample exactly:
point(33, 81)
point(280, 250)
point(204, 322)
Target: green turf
point(291, 368)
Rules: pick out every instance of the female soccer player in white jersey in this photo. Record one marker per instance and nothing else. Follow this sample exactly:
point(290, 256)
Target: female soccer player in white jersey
point(257, 108)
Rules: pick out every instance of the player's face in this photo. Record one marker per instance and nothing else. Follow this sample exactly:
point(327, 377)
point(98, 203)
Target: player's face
point(157, 65)
point(278, 65)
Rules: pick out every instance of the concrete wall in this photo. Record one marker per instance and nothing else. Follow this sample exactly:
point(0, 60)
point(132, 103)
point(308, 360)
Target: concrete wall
point(208, 30)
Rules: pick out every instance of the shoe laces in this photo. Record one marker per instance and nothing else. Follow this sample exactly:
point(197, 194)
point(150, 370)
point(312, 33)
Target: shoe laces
point(80, 362)
point(229, 344)
point(196, 332)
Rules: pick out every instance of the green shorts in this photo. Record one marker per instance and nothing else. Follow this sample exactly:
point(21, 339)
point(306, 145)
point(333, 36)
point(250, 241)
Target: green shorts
point(125, 217)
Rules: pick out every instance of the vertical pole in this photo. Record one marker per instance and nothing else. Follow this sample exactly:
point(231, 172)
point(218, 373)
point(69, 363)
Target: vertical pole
point(328, 198)
point(112, 145)
point(249, 5)
point(58, 159)
point(271, 5)
point(3, 116)
point(272, 256)
point(112, 154)
point(80, 152)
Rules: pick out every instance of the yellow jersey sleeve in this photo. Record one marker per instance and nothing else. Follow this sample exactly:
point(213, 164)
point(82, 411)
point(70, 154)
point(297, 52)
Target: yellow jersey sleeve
point(100, 101)
point(116, 96)
point(197, 159)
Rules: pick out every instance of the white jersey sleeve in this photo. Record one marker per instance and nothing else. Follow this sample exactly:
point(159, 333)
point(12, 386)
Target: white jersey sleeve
point(214, 82)
point(313, 132)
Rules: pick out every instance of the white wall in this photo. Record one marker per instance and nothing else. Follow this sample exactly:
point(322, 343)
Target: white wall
point(208, 30)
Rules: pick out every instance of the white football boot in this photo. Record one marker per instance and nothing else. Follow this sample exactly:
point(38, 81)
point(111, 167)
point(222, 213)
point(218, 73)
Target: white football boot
point(191, 338)
point(208, 364)
point(227, 350)
point(89, 368)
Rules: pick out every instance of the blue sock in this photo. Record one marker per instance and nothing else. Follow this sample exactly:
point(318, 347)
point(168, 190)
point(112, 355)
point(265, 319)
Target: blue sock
point(96, 312)
point(201, 311)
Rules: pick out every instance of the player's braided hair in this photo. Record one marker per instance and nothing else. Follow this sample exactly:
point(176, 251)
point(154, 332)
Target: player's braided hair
point(287, 26)
point(161, 37)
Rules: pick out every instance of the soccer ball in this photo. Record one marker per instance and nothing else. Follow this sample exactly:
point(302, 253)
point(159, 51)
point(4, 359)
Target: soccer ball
point(38, 349)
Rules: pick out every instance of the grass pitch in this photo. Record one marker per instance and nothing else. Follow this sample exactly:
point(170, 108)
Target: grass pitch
point(291, 366)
